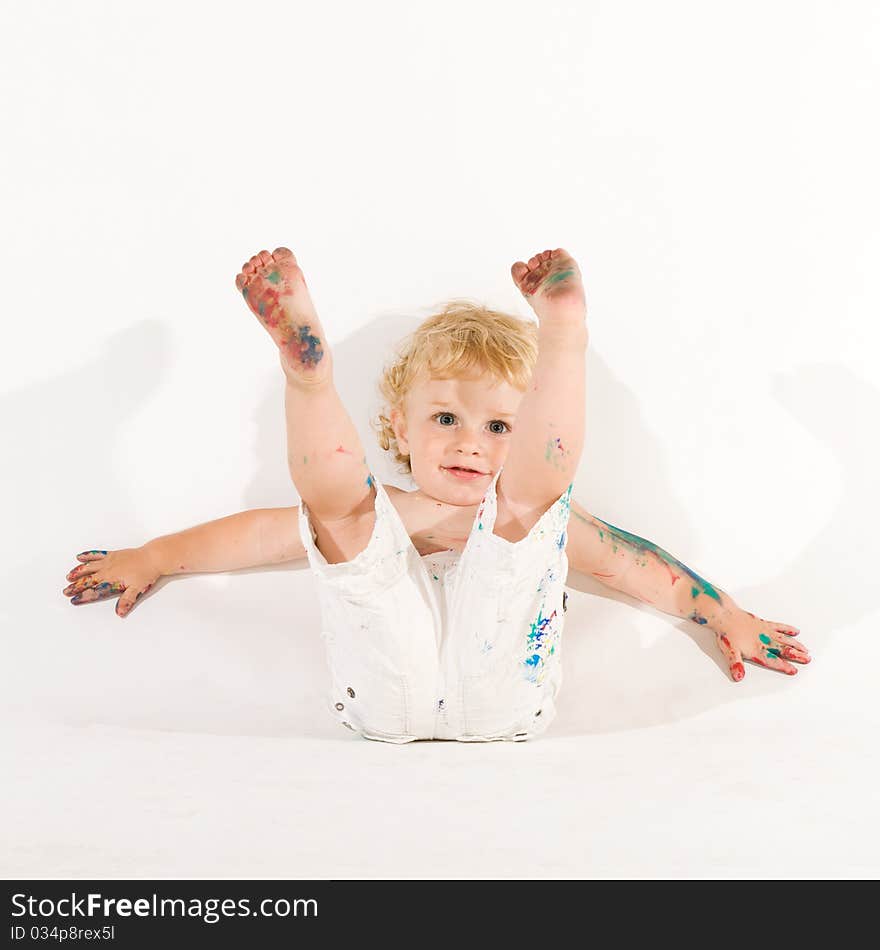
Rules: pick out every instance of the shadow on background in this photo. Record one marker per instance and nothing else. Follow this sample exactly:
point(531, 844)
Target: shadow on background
point(251, 662)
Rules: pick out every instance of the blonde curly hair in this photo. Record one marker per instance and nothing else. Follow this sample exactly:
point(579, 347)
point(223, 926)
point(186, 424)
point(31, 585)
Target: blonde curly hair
point(463, 336)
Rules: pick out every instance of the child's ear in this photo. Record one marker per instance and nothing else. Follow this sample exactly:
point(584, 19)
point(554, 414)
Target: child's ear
point(398, 423)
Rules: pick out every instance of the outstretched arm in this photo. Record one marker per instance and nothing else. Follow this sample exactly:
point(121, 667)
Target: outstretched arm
point(246, 539)
point(634, 566)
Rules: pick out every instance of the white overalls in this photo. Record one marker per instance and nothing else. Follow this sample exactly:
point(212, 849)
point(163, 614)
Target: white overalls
point(445, 646)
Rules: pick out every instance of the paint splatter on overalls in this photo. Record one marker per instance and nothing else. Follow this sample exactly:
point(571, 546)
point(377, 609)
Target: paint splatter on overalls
point(445, 646)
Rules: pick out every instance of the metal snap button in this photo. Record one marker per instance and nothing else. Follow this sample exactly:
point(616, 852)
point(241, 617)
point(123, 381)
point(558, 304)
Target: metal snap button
point(340, 706)
point(350, 692)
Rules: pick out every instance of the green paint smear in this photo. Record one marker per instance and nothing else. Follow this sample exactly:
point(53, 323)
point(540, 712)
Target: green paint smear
point(773, 653)
point(274, 277)
point(556, 278)
point(644, 545)
point(764, 638)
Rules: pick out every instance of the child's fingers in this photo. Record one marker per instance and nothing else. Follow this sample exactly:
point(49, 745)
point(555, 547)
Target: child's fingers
point(83, 569)
point(734, 657)
point(787, 647)
point(125, 603)
point(86, 581)
point(101, 592)
point(773, 661)
point(90, 555)
point(785, 628)
point(792, 645)
point(789, 640)
point(796, 656)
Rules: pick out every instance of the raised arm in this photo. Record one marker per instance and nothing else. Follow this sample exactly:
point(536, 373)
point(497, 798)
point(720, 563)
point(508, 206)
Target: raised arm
point(548, 436)
point(324, 452)
point(641, 569)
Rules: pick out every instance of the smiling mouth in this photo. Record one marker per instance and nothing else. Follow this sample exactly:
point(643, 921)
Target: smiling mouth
point(459, 468)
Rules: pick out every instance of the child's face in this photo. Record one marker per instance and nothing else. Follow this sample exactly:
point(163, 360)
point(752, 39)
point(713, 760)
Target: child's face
point(461, 422)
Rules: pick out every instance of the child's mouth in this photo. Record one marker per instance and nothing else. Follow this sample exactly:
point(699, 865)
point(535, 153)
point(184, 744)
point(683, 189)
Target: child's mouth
point(464, 473)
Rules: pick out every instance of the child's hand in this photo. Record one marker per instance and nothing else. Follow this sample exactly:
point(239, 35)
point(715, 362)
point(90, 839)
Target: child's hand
point(765, 642)
point(129, 572)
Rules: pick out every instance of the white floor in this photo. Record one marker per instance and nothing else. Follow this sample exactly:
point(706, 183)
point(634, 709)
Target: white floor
point(188, 741)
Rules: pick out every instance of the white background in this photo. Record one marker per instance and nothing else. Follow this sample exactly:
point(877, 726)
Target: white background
point(712, 167)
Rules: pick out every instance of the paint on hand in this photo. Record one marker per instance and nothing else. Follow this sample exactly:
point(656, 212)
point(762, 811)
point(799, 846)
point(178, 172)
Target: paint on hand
point(99, 592)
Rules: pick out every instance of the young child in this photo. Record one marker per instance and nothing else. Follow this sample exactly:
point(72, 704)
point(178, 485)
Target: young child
point(442, 608)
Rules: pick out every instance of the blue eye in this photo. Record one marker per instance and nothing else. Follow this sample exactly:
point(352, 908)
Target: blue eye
point(501, 422)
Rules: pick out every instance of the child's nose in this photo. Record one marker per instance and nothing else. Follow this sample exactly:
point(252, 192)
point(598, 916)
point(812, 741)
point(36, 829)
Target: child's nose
point(467, 438)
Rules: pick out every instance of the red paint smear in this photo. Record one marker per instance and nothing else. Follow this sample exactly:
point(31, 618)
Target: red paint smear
point(669, 568)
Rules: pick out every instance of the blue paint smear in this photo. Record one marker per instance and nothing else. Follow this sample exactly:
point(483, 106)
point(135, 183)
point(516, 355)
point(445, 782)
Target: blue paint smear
point(313, 353)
